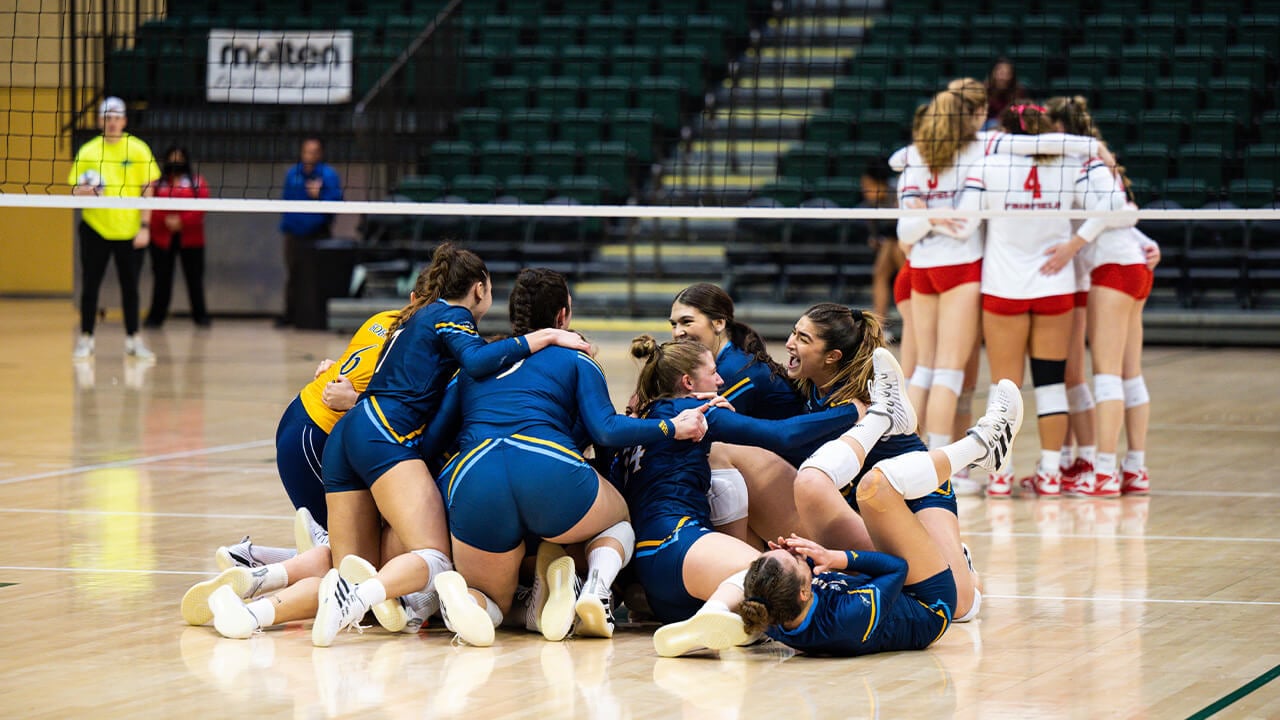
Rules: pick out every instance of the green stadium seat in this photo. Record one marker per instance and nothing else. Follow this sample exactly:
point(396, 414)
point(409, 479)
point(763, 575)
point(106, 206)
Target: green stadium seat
point(637, 129)
point(1032, 62)
point(1269, 127)
point(1092, 61)
point(1215, 126)
point(528, 188)
point(528, 126)
point(609, 161)
point(1194, 62)
point(1116, 126)
point(1187, 192)
point(507, 93)
point(829, 127)
point(928, 61)
point(1012, 7)
point(786, 190)
point(1262, 161)
point(501, 30)
point(586, 189)
point(632, 62)
point(421, 188)
point(1179, 9)
point(607, 30)
point(1209, 29)
point(558, 92)
point(945, 29)
point(373, 8)
point(661, 95)
point(656, 30)
point(997, 31)
point(529, 11)
point(851, 94)
point(974, 61)
point(1162, 126)
point(1158, 29)
point(807, 161)
point(478, 63)
point(582, 62)
point(886, 127)
point(915, 8)
point(1177, 93)
point(478, 125)
point(1145, 61)
point(402, 29)
point(580, 8)
point(481, 8)
point(1203, 161)
point(905, 93)
point(560, 31)
point(707, 32)
point(532, 62)
point(177, 74)
point(852, 157)
point(553, 159)
point(1149, 161)
point(681, 8)
point(128, 73)
point(877, 61)
point(1259, 29)
point(1073, 85)
point(894, 30)
point(1230, 93)
point(1252, 192)
point(686, 63)
point(450, 158)
point(1124, 93)
point(1248, 61)
point(1048, 30)
point(1108, 29)
point(475, 188)
point(608, 93)
point(580, 126)
point(843, 191)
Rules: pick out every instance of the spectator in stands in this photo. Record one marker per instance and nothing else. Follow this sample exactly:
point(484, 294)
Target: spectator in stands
point(178, 233)
point(114, 164)
point(1003, 90)
point(882, 236)
point(310, 179)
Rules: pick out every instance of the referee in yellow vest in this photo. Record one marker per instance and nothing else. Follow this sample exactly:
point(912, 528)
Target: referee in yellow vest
point(114, 164)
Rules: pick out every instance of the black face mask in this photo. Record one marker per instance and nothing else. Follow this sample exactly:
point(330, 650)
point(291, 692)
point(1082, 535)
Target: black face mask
point(177, 168)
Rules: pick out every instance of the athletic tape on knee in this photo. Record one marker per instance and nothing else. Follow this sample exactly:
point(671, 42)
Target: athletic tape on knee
point(1079, 398)
point(727, 495)
point(738, 580)
point(1051, 400)
point(911, 474)
point(922, 377)
point(626, 537)
point(1135, 392)
point(437, 562)
point(1107, 388)
point(950, 379)
point(836, 460)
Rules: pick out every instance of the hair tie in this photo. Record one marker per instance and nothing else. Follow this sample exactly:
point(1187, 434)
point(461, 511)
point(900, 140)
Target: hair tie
point(1020, 109)
point(762, 601)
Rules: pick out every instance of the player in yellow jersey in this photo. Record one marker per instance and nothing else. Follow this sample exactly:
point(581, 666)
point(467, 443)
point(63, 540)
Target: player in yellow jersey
point(114, 164)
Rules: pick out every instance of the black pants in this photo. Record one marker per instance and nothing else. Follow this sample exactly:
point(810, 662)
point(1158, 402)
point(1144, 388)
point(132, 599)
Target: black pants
point(295, 254)
point(95, 252)
point(162, 261)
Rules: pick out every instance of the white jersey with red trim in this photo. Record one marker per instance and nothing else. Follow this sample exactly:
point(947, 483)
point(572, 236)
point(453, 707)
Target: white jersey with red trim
point(1017, 244)
point(937, 190)
point(1110, 241)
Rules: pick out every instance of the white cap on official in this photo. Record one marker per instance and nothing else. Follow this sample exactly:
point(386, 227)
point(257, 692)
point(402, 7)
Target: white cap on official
point(111, 106)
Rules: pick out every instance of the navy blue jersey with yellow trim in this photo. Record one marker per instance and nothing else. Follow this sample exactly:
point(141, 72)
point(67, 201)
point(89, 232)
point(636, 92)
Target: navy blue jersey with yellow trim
point(863, 610)
point(753, 388)
point(420, 357)
point(887, 447)
point(547, 396)
point(671, 477)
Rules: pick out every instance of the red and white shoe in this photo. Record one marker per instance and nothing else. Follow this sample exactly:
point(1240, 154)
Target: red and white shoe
point(1000, 485)
point(1135, 483)
point(1103, 486)
point(1043, 485)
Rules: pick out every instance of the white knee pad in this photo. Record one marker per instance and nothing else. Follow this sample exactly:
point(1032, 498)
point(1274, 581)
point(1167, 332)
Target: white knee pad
point(922, 377)
point(950, 379)
point(738, 579)
point(1135, 392)
point(626, 537)
point(911, 474)
point(1079, 398)
point(973, 609)
point(1051, 399)
point(727, 495)
point(437, 562)
point(1108, 387)
point(836, 460)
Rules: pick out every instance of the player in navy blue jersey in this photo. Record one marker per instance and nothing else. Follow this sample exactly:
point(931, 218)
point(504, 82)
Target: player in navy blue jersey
point(832, 602)
point(519, 471)
point(680, 560)
point(371, 465)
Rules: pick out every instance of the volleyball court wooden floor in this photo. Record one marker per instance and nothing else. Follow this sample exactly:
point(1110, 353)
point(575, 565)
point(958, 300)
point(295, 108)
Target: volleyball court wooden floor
point(117, 484)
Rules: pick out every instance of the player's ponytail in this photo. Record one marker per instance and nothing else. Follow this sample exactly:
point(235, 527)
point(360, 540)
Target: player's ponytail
point(450, 275)
point(772, 595)
point(946, 125)
point(537, 298)
point(1073, 113)
point(664, 365)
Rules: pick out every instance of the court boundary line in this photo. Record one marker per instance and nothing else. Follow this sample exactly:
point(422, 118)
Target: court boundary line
point(136, 513)
point(1161, 538)
point(109, 571)
point(1235, 695)
point(145, 460)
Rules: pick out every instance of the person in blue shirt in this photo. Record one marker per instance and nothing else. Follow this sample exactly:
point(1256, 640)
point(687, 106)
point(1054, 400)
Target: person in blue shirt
point(833, 602)
point(519, 471)
point(309, 179)
point(680, 560)
point(371, 466)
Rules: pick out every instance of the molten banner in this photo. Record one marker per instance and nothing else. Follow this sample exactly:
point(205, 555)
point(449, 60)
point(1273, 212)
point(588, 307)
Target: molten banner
point(253, 66)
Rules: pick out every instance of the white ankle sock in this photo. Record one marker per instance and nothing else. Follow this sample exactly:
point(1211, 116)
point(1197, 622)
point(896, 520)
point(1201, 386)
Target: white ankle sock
point(1065, 461)
point(1135, 460)
point(1106, 464)
point(276, 578)
point(964, 452)
point(1049, 460)
point(1089, 453)
point(264, 610)
point(868, 431)
point(605, 562)
point(268, 554)
point(491, 607)
point(371, 592)
point(937, 441)
point(713, 606)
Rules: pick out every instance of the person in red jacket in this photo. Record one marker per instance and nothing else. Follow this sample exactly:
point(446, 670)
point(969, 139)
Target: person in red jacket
point(178, 233)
